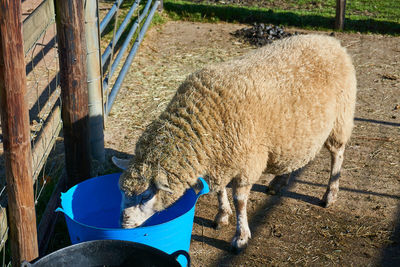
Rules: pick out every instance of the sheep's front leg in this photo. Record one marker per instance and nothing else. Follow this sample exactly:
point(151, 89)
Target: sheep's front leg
point(330, 195)
point(243, 234)
point(224, 210)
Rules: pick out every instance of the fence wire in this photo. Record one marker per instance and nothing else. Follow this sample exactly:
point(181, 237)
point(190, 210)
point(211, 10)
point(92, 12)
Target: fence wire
point(43, 91)
point(44, 95)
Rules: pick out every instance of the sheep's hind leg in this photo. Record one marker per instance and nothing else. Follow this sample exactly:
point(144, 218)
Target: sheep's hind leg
point(276, 185)
point(337, 153)
point(224, 210)
point(243, 234)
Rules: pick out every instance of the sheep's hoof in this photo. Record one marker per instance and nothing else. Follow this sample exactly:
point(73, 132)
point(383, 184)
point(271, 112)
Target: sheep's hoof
point(274, 189)
point(277, 184)
point(271, 191)
point(221, 220)
point(237, 249)
point(240, 243)
point(217, 225)
point(328, 199)
point(326, 204)
point(323, 203)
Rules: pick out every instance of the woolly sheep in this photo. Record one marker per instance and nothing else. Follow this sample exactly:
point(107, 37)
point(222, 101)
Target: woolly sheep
point(269, 111)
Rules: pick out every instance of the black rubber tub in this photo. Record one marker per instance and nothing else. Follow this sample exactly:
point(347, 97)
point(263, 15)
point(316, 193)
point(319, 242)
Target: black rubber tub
point(108, 253)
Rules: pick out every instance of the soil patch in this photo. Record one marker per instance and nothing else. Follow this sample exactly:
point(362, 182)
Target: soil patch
point(261, 34)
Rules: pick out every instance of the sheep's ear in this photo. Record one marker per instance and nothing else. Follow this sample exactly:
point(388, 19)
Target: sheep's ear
point(163, 187)
point(120, 163)
point(161, 182)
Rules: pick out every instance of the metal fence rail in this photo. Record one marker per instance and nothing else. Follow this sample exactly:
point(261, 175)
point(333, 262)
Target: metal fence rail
point(113, 10)
point(137, 31)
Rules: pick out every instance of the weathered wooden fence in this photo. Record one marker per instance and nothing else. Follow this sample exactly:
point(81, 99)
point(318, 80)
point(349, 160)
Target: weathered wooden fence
point(35, 78)
point(53, 76)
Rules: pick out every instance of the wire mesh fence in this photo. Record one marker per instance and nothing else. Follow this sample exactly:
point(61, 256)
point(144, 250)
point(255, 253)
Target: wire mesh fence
point(44, 103)
point(43, 100)
point(127, 21)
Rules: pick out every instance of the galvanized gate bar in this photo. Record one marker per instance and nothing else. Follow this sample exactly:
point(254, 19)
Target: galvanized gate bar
point(109, 15)
point(129, 59)
point(107, 51)
point(125, 45)
point(94, 81)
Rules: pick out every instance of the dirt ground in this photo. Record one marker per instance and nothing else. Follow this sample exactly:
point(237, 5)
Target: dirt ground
point(361, 229)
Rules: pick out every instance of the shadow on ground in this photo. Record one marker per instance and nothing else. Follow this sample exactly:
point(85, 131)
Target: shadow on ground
point(391, 253)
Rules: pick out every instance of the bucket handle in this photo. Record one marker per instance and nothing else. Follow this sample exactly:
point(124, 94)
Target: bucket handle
point(59, 209)
point(205, 188)
point(184, 253)
point(26, 264)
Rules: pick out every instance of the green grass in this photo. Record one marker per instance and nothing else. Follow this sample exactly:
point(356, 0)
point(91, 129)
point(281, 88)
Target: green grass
point(377, 9)
point(361, 16)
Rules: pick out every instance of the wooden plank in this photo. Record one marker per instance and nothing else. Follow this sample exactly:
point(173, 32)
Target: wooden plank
point(74, 93)
point(340, 12)
point(15, 126)
point(45, 141)
point(49, 217)
point(36, 23)
point(42, 149)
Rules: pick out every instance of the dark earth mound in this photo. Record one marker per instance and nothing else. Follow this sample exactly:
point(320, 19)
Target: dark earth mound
point(260, 34)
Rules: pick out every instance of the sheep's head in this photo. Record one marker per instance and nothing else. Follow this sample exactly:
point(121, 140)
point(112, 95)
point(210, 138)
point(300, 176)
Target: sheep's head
point(144, 192)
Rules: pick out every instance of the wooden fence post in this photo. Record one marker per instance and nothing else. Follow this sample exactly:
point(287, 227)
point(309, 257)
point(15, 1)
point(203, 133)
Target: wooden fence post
point(161, 6)
point(340, 11)
point(16, 133)
point(74, 93)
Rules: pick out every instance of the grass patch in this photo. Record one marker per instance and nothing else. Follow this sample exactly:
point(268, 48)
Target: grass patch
point(388, 10)
point(298, 16)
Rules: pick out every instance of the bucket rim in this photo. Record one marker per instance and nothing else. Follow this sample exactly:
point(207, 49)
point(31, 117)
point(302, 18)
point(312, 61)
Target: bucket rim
point(149, 248)
point(203, 191)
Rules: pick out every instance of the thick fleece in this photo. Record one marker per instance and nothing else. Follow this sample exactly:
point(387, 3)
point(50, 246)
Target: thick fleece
point(269, 111)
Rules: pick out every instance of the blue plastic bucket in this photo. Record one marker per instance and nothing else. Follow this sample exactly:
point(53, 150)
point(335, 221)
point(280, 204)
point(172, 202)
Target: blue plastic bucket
point(92, 212)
